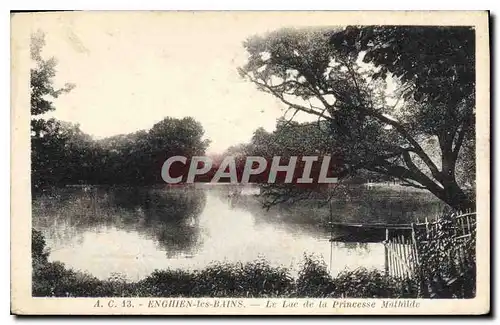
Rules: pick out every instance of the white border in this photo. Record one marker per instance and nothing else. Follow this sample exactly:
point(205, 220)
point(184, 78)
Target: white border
point(185, 5)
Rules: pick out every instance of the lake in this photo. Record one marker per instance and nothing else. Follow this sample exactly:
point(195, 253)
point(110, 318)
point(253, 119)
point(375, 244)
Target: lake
point(130, 232)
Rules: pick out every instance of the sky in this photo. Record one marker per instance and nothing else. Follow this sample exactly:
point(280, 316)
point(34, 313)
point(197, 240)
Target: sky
point(132, 70)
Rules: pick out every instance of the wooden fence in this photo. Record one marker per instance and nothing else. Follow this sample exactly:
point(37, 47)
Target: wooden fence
point(403, 254)
point(434, 259)
point(401, 257)
point(404, 244)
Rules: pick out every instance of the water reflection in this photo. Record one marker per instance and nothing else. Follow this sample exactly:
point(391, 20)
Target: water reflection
point(356, 247)
point(168, 217)
point(133, 231)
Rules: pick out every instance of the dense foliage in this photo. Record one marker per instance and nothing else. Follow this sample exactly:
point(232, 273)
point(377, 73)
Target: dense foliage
point(291, 138)
point(396, 101)
point(65, 155)
point(447, 264)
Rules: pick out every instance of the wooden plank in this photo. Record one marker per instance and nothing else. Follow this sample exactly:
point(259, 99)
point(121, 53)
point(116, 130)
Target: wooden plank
point(372, 225)
point(397, 258)
point(389, 259)
point(463, 236)
point(460, 224)
point(409, 257)
point(394, 261)
point(427, 228)
point(468, 224)
point(422, 290)
point(406, 258)
point(386, 253)
point(413, 258)
point(472, 214)
point(401, 256)
point(415, 245)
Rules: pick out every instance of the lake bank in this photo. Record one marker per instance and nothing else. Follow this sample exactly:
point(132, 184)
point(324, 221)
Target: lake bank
point(246, 280)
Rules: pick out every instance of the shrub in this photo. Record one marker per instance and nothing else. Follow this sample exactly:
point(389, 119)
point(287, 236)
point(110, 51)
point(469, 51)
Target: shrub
point(252, 279)
point(313, 279)
point(263, 280)
point(363, 283)
point(38, 251)
point(168, 283)
point(447, 260)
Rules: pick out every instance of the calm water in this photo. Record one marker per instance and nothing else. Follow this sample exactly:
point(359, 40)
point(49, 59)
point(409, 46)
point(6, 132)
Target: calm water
point(135, 231)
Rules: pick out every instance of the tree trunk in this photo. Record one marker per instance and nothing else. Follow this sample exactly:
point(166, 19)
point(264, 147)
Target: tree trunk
point(460, 200)
point(456, 198)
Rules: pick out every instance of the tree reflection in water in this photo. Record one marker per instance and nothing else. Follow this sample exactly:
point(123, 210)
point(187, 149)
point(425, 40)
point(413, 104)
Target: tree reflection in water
point(357, 248)
point(168, 216)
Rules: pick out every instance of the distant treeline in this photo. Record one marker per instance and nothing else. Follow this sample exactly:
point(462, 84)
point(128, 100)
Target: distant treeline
point(63, 154)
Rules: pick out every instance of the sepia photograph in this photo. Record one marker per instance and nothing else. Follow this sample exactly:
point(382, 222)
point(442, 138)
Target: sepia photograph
point(250, 163)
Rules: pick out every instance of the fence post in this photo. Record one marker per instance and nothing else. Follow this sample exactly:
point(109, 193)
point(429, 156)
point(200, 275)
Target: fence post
point(386, 252)
point(418, 266)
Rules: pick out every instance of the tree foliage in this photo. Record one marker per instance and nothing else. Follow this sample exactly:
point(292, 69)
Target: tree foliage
point(383, 92)
point(137, 158)
point(43, 71)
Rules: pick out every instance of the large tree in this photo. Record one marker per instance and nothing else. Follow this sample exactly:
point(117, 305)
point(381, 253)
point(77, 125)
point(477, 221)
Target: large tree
point(48, 137)
point(43, 72)
point(398, 101)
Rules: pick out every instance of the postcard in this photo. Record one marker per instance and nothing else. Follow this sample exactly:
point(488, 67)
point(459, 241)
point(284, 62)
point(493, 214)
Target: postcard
point(250, 163)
